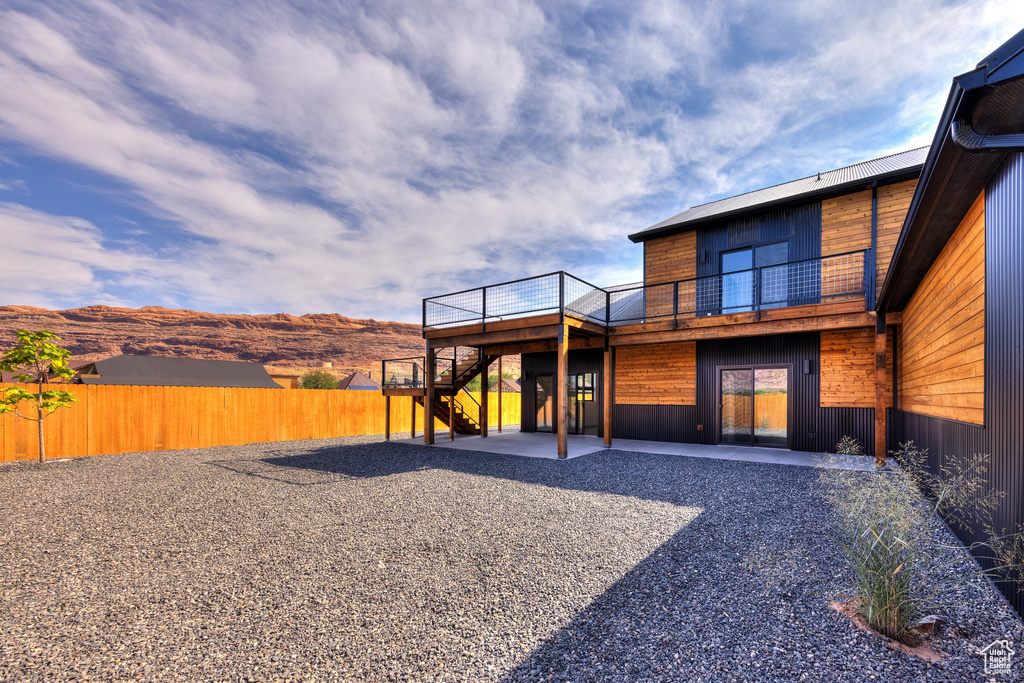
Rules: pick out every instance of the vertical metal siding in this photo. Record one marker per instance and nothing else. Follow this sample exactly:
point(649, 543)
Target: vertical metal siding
point(655, 423)
point(801, 226)
point(1002, 435)
point(813, 428)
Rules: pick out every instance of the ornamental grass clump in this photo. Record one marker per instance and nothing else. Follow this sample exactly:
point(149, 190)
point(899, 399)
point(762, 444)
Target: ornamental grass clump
point(889, 528)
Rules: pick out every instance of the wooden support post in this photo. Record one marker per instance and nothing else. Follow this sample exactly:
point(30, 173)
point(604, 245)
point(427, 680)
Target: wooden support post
point(880, 445)
point(562, 416)
point(413, 420)
point(501, 390)
point(606, 395)
point(428, 397)
point(483, 394)
point(387, 418)
point(451, 413)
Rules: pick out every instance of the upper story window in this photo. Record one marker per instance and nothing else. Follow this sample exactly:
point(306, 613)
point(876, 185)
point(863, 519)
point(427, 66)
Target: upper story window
point(738, 277)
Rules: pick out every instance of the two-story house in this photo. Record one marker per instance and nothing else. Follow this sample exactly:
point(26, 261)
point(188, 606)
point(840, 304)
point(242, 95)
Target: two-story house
point(755, 324)
point(883, 301)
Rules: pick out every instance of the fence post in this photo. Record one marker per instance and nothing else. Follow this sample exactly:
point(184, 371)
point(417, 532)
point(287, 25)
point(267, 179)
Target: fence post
point(483, 312)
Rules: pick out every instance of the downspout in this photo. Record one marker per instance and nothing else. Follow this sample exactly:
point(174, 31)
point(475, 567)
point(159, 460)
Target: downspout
point(969, 140)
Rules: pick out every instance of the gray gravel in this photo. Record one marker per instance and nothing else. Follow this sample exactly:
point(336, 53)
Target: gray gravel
point(352, 558)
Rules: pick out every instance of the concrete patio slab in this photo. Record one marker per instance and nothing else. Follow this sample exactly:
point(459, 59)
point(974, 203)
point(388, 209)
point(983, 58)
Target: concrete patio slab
point(541, 445)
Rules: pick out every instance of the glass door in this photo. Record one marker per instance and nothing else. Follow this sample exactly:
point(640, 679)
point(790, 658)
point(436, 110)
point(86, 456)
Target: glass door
point(737, 407)
point(545, 403)
point(771, 406)
point(737, 281)
point(754, 406)
point(583, 409)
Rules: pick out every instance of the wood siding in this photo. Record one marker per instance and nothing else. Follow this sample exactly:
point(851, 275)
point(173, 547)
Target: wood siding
point(848, 368)
point(128, 419)
point(671, 258)
point(846, 223)
point(656, 374)
point(893, 202)
point(942, 343)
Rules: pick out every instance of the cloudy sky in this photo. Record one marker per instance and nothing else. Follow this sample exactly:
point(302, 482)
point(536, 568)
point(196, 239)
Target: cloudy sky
point(353, 157)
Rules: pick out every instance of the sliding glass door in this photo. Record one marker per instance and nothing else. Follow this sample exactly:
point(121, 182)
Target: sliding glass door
point(754, 405)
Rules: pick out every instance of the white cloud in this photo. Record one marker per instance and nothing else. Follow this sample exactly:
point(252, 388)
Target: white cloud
point(357, 158)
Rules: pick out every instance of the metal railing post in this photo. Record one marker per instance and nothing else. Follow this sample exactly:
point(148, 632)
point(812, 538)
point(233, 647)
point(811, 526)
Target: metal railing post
point(561, 295)
point(607, 308)
point(483, 309)
point(383, 374)
point(758, 285)
point(424, 313)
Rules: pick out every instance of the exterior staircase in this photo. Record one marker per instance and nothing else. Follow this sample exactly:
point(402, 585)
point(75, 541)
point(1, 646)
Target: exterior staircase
point(449, 398)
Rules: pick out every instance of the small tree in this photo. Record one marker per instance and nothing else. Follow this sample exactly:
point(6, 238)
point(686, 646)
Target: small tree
point(37, 358)
point(318, 379)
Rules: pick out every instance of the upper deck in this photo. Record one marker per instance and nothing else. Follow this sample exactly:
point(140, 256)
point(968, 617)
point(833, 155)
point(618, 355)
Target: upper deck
point(810, 294)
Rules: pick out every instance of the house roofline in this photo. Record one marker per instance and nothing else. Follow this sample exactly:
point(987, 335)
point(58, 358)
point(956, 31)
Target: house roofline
point(991, 99)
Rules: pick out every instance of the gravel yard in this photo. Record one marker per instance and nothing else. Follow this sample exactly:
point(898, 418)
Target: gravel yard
point(354, 558)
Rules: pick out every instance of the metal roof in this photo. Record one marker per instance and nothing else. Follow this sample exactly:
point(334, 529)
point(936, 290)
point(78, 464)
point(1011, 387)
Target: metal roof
point(155, 371)
point(804, 188)
point(358, 381)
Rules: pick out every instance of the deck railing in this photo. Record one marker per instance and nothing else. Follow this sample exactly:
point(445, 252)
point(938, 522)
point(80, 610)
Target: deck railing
point(402, 373)
point(807, 281)
point(407, 373)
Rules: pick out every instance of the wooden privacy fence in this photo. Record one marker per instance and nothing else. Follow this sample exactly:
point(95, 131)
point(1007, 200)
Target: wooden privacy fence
point(769, 410)
point(127, 419)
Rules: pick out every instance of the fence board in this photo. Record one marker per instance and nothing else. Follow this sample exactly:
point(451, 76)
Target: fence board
point(126, 419)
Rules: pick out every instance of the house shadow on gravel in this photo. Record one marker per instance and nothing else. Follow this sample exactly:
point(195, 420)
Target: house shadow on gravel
point(738, 594)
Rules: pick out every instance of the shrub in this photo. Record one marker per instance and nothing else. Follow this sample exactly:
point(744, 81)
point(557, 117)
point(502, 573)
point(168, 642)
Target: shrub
point(849, 446)
point(887, 530)
point(318, 379)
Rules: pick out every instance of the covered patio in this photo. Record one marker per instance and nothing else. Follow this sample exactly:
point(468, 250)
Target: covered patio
point(538, 445)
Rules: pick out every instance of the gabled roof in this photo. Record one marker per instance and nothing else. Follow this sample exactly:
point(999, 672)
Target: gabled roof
point(162, 371)
point(888, 169)
point(991, 99)
point(508, 386)
point(358, 381)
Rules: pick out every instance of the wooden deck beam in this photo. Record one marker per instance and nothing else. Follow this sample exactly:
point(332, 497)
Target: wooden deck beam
point(880, 392)
point(483, 393)
point(562, 391)
point(428, 396)
point(606, 395)
point(753, 329)
point(575, 343)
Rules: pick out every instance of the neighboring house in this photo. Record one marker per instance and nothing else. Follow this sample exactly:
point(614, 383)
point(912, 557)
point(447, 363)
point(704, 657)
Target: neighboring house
point(285, 380)
point(175, 372)
point(507, 386)
point(357, 381)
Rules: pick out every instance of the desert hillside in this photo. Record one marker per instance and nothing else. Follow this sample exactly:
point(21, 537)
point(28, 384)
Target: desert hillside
point(280, 341)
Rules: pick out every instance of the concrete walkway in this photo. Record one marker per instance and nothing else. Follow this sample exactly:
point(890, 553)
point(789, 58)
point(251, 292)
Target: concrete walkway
point(540, 445)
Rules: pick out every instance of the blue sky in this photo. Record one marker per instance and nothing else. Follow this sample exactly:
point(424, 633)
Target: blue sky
point(352, 158)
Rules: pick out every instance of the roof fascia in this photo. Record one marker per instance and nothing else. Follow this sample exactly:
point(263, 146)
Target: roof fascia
point(796, 200)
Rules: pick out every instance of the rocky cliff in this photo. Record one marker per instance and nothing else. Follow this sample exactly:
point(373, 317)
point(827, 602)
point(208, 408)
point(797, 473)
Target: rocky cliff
point(280, 341)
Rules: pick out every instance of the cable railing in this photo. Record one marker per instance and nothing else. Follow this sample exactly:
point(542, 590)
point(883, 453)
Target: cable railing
point(402, 373)
point(808, 281)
